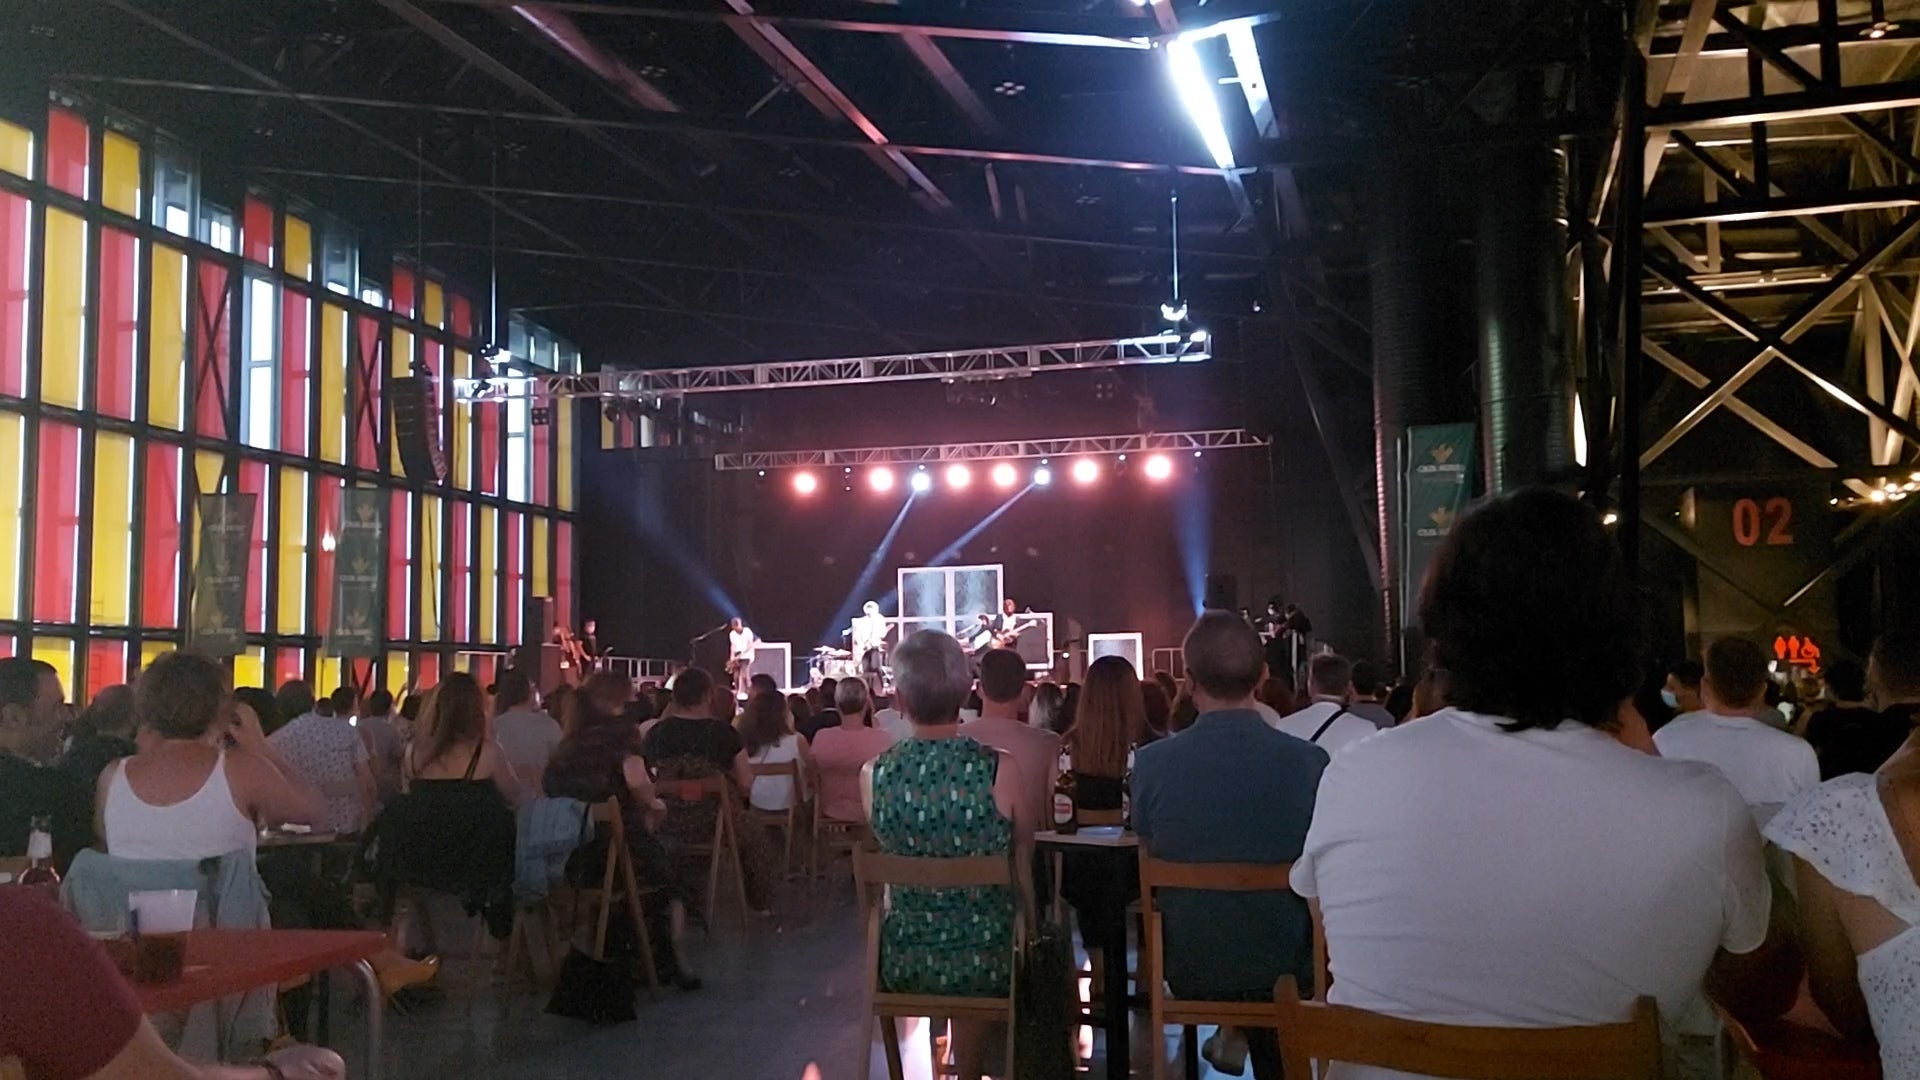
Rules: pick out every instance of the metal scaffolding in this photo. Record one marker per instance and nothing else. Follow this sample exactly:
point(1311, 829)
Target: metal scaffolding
point(1012, 449)
point(1009, 362)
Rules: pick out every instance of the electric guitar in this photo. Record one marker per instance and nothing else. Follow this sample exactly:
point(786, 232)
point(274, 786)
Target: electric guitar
point(1008, 638)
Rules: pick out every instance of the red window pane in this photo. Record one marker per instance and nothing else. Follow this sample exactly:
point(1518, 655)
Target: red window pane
point(563, 573)
point(326, 495)
point(487, 449)
point(212, 316)
point(15, 224)
point(459, 607)
point(364, 395)
point(289, 665)
point(69, 151)
point(8, 646)
point(256, 230)
point(106, 666)
point(512, 528)
point(399, 565)
point(160, 533)
point(56, 524)
point(296, 386)
point(253, 481)
point(459, 315)
point(119, 323)
point(483, 669)
point(426, 670)
point(403, 290)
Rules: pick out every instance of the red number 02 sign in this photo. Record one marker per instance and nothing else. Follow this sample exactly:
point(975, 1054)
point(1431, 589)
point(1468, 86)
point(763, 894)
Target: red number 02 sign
point(1769, 521)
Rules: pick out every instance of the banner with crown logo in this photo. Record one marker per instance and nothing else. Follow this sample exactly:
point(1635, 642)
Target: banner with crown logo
point(359, 574)
point(1438, 482)
point(217, 622)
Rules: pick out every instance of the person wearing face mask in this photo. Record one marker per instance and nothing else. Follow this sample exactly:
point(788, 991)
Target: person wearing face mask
point(1682, 692)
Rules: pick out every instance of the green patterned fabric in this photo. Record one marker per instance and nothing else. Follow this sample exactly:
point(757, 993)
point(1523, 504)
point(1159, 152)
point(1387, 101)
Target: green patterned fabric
point(933, 798)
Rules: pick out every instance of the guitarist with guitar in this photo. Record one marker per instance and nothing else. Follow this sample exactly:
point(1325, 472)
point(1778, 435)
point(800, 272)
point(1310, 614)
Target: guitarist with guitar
point(1007, 626)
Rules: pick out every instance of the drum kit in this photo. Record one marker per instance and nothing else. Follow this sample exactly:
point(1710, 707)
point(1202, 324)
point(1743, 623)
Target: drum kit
point(828, 662)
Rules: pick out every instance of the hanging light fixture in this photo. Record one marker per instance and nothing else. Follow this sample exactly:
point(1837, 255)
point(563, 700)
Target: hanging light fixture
point(1880, 27)
point(1175, 310)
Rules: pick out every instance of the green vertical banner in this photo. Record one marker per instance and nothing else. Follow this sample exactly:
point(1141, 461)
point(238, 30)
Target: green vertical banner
point(1438, 482)
point(218, 625)
point(359, 574)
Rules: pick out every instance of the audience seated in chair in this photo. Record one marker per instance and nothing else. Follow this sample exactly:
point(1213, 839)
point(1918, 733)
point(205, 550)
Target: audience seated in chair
point(33, 706)
point(840, 752)
point(687, 745)
point(1506, 861)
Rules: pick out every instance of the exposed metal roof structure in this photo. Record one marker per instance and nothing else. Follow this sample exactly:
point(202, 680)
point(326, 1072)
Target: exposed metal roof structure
point(1189, 441)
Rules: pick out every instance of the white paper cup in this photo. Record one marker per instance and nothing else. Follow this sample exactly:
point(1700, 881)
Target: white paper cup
point(164, 911)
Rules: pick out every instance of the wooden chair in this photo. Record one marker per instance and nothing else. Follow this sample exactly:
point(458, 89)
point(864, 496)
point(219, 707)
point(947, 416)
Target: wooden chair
point(1314, 1031)
point(618, 884)
point(1164, 1010)
point(833, 835)
point(788, 820)
point(723, 847)
point(873, 871)
point(12, 866)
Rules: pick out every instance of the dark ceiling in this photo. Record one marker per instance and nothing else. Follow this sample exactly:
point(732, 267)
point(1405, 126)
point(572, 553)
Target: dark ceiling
point(704, 181)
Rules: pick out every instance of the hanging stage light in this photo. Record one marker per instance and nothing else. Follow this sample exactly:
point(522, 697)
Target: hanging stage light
point(805, 483)
point(959, 476)
point(1159, 468)
point(1042, 476)
point(880, 479)
point(1005, 475)
point(921, 482)
point(1086, 471)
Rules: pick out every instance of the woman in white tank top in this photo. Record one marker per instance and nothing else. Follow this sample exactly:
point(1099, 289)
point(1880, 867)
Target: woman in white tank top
point(185, 795)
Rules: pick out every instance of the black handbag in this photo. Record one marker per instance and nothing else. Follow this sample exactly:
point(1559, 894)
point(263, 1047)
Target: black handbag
point(1044, 1004)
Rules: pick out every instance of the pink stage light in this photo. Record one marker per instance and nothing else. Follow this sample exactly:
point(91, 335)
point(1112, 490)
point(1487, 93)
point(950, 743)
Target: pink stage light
point(880, 479)
point(805, 483)
point(1086, 471)
point(1159, 467)
point(959, 476)
point(1005, 475)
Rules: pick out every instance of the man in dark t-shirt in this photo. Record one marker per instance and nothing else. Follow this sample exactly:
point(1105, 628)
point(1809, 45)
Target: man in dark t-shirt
point(32, 707)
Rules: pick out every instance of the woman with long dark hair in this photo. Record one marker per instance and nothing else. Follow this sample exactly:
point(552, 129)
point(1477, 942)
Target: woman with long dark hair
point(766, 729)
point(1110, 723)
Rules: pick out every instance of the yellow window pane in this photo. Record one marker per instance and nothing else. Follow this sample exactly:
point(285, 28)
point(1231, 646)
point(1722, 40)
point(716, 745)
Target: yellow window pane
point(563, 451)
point(60, 654)
point(154, 650)
point(462, 426)
point(112, 528)
point(120, 173)
point(333, 384)
point(250, 667)
point(208, 468)
point(537, 558)
point(292, 539)
point(429, 563)
point(16, 149)
point(433, 308)
point(487, 569)
point(63, 310)
point(396, 673)
point(402, 365)
point(299, 252)
point(12, 469)
point(167, 358)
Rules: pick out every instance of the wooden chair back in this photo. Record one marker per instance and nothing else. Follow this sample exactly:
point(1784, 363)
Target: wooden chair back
point(619, 882)
point(1780, 1049)
point(1315, 1031)
point(12, 866)
point(875, 872)
point(1165, 1010)
point(723, 848)
point(788, 820)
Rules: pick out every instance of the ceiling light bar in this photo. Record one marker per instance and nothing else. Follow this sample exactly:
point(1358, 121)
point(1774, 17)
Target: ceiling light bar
point(1044, 449)
point(1010, 362)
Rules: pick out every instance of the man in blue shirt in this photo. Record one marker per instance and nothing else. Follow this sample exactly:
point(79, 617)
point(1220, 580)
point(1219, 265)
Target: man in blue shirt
point(1229, 789)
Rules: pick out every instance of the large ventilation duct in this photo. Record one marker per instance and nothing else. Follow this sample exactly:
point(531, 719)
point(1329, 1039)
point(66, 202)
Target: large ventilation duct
point(1406, 265)
point(1520, 245)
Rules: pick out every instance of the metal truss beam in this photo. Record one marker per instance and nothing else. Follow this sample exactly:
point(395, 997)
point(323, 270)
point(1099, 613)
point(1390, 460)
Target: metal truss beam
point(1877, 198)
point(1012, 449)
point(1014, 362)
point(1790, 106)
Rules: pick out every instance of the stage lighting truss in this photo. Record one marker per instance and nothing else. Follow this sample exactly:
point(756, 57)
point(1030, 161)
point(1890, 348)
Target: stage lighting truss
point(1095, 445)
point(1011, 362)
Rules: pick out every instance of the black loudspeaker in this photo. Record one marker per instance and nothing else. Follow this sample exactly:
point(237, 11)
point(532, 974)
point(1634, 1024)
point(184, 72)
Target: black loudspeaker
point(416, 428)
point(536, 620)
point(1223, 592)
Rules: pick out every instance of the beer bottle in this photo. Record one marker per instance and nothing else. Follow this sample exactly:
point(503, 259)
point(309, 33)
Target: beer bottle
point(1066, 809)
point(40, 869)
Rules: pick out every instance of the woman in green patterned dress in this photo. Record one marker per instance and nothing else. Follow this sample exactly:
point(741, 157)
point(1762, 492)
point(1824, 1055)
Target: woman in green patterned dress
point(942, 795)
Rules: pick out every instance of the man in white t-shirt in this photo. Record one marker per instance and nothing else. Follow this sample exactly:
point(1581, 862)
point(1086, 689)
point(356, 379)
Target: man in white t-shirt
point(526, 735)
point(1326, 721)
point(1766, 765)
point(741, 642)
point(1507, 861)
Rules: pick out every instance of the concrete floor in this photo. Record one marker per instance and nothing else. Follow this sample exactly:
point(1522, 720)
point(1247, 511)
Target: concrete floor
point(781, 995)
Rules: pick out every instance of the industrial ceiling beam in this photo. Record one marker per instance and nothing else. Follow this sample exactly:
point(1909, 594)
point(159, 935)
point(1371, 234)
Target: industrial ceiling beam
point(963, 365)
point(1880, 198)
point(928, 54)
point(1005, 450)
point(1038, 29)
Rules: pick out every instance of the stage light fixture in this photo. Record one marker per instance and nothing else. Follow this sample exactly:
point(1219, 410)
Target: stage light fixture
point(805, 483)
point(1195, 90)
point(921, 482)
point(959, 476)
point(1042, 476)
point(1086, 471)
point(1159, 467)
point(880, 479)
point(1004, 475)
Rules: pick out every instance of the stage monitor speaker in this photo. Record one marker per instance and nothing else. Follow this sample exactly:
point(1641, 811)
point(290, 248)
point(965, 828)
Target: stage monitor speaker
point(536, 620)
point(1223, 592)
point(416, 428)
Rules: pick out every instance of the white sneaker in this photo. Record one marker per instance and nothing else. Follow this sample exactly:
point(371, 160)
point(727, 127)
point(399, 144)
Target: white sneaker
point(1226, 1051)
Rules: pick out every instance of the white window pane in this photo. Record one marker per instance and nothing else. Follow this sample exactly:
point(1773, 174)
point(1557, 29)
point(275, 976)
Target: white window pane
point(517, 471)
point(262, 327)
point(519, 414)
point(259, 419)
point(178, 221)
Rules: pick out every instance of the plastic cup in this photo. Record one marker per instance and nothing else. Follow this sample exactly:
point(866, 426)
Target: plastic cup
point(163, 911)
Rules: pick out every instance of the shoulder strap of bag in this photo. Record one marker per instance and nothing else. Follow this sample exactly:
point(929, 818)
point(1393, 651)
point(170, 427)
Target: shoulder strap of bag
point(1337, 714)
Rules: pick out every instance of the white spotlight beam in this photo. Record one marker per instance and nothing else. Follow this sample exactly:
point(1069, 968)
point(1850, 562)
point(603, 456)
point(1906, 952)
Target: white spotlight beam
point(1195, 91)
point(1217, 439)
point(1009, 362)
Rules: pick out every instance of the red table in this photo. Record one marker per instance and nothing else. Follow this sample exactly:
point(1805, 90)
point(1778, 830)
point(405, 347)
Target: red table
point(220, 963)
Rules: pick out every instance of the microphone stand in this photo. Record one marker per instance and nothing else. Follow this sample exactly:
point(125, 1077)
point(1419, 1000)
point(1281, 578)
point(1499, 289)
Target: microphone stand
point(693, 643)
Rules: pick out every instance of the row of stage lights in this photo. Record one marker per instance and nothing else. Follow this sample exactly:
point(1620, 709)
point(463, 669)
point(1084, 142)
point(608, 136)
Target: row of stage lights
point(1005, 475)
